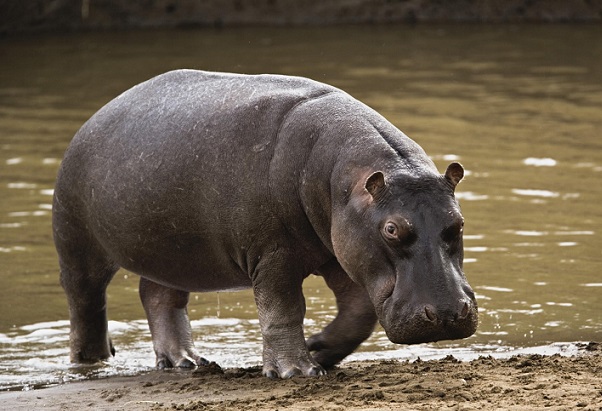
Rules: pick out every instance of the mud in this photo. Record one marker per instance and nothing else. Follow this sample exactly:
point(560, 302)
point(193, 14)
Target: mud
point(517, 383)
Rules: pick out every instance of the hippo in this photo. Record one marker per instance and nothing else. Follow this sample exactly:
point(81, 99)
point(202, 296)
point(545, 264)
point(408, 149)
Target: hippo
point(201, 181)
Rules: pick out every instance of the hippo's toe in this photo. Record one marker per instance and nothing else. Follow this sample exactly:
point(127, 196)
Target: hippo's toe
point(180, 361)
point(307, 369)
point(292, 372)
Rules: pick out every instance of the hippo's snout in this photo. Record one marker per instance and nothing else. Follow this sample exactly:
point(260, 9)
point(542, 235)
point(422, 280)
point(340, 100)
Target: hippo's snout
point(458, 315)
point(422, 323)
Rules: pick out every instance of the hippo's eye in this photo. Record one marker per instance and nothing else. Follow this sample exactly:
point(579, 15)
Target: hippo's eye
point(454, 231)
point(391, 231)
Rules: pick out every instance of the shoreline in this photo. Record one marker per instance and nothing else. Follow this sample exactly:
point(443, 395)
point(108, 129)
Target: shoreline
point(520, 382)
point(77, 15)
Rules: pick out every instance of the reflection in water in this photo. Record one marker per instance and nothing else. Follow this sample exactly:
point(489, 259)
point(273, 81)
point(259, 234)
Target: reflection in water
point(539, 162)
point(519, 106)
point(535, 193)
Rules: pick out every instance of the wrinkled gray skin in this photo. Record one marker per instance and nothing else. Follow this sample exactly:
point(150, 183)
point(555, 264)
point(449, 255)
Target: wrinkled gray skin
point(203, 181)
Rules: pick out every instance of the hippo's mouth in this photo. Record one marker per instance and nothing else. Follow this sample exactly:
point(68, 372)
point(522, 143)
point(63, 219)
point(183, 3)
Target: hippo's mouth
point(382, 297)
point(416, 325)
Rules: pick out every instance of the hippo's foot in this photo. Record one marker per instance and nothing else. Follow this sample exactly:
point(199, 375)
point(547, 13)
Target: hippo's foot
point(181, 358)
point(91, 352)
point(288, 368)
point(169, 325)
point(285, 354)
point(340, 338)
point(281, 308)
point(328, 353)
point(352, 325)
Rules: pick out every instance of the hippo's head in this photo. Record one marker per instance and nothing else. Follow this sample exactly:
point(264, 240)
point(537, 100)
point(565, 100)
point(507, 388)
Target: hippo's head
point(400, 237)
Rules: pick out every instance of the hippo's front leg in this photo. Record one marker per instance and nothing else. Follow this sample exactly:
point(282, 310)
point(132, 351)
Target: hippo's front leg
point(169, 325)
point(281, 309)
point(354, 322)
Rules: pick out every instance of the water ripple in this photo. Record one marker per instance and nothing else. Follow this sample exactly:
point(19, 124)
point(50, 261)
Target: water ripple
point(535, 193)
point(539, 162)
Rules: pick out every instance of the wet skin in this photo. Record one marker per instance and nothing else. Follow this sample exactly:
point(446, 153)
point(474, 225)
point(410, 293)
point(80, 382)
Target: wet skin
point(202, 181)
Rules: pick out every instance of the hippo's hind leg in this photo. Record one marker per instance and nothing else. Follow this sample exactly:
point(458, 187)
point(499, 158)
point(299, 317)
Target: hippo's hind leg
point(354, 322)
point(169, 325)
point(85, 273)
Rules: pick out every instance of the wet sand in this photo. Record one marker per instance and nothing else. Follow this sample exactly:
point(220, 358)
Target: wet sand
point(518, 383)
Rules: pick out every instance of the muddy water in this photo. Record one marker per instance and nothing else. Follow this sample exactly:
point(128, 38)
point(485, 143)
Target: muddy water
point(520, 107)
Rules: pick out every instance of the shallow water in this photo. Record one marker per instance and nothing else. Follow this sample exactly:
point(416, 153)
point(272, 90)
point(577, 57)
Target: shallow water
point(519, 106)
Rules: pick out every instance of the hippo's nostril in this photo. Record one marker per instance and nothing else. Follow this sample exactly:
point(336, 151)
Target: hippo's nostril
point(430, 313)
point(464, 311)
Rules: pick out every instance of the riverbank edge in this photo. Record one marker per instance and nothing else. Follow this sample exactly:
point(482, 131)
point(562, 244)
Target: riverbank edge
point(74, 15)
point(519, 382)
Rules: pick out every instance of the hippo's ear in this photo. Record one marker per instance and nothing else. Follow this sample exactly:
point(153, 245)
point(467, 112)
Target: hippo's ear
point(375, 184)
point(454, 174)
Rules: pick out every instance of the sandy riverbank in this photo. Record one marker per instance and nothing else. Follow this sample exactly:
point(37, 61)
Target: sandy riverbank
point(518, 383)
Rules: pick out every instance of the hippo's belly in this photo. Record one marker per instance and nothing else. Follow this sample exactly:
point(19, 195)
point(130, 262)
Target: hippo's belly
point(185, 262)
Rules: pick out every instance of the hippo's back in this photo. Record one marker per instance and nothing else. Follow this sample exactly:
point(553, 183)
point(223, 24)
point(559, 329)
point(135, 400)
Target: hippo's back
point(186, 129)
point(197, 107)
